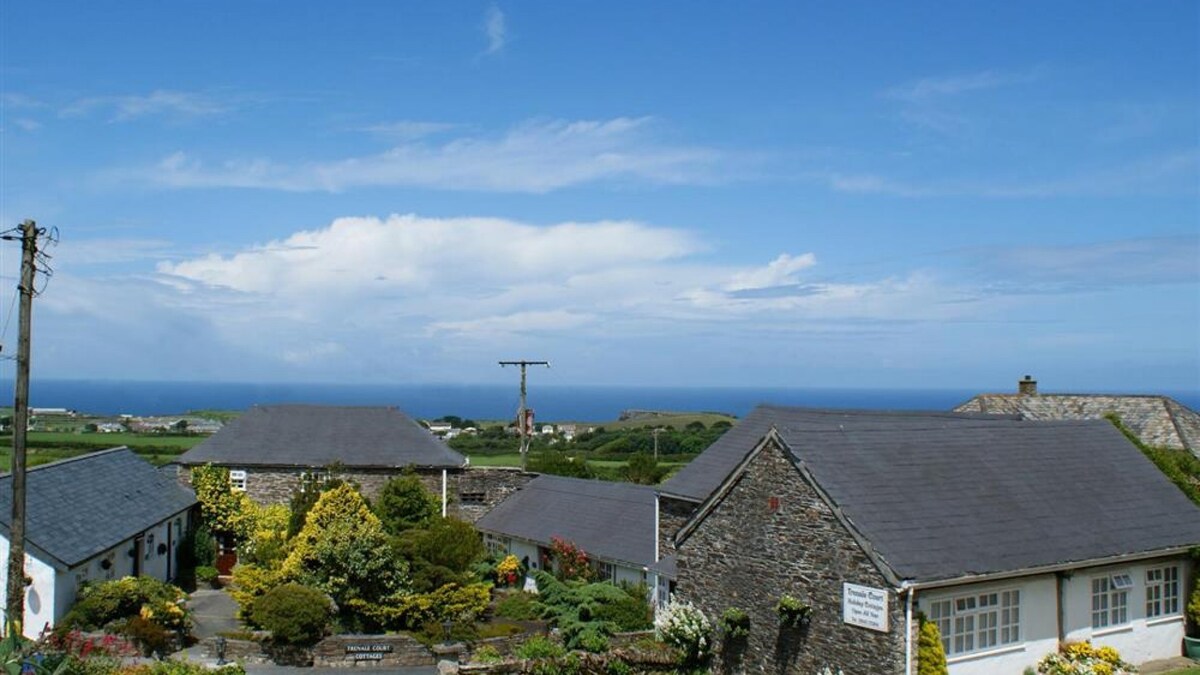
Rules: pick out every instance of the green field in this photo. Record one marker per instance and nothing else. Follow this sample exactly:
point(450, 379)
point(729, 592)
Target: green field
point(98, 441)
point(514, 459)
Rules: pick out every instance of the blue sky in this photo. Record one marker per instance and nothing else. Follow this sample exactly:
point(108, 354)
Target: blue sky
point(751, 194)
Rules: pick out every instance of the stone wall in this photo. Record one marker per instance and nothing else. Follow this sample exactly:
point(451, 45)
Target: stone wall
point(477, 490)
point(772, 534)
point(376, 651)
point(673, 514)
point(484, 487)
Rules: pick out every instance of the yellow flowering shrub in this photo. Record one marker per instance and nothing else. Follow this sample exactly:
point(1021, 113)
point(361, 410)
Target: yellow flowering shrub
point(450, 602)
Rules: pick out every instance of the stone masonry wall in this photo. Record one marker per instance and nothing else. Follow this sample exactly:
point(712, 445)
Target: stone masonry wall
point(268, 485)
point(772, 534)
point(673, 514)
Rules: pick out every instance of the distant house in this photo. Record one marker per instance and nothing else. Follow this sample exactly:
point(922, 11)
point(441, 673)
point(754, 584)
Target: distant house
point(438, 427)
point(612, 522)
point(1159, 421)
point(103, 515)
point(1012, 535)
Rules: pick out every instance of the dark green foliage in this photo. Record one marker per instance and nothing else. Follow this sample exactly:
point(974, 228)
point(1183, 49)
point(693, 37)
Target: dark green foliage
point(520, 606)
point(735, 624)
point(580, 609)
point(444, 552)
point(560, 464)
point(404, 503)
point(643, 469)
point(206, 574)
point(150, 637)
point(1180, 466)
point(293, 613)
point(692, 439)
point(203, 547)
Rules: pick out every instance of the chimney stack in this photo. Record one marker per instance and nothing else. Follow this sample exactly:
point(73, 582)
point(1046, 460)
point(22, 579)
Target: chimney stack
point(1027, 386)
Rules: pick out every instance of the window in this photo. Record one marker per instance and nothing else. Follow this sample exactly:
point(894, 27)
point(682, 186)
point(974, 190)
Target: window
point(1110, 600)
point(604, 571)
point(979, 621)
point(472, 498)
point(237, 480)
point(1162, 591)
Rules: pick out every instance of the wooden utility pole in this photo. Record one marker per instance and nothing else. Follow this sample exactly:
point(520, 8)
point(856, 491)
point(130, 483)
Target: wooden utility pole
point(522, 422)
point(15, 609)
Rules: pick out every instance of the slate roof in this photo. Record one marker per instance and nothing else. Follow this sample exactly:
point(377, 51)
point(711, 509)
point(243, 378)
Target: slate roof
point(703, 475)
point(318, 436)
point(941, 498)
point(82, 506)
point(1159, 421)
point(613, 521)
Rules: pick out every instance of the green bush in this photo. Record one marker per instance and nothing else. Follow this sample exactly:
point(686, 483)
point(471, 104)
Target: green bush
point(293, 613)
point(931, 656)
point(203, 547)
point(487, 654)
point(206, 574)
point(520, 606)
point(106, 603)
point(539, 647)
point(404, 503)
point(1193, 608)
point(735, 623)
point(592, 640)
point(150, 637)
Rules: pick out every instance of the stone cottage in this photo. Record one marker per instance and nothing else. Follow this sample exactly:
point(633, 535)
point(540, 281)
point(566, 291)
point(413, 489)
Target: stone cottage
point(103, 515)
point(1158, 421)
point(271, 450)
point(1013, 535)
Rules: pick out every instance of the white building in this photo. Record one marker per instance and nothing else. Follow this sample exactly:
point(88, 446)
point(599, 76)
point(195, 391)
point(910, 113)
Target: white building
point(99, 516)
point(612, 522)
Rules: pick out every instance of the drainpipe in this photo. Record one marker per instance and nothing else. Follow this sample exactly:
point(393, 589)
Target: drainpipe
point(908, 600)
point(443, 493)
point(655, 580)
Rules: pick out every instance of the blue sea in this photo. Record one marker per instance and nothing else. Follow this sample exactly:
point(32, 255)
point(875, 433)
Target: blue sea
point(485, 401)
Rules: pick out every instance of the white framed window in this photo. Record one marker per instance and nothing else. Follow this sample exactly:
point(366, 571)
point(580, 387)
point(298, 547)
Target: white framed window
point(237, 480)
point(1110, 600)
point(1162, 591)
point(978, 621)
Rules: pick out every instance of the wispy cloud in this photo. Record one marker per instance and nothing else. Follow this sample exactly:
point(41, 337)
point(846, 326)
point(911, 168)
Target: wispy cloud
point(537, 156)
point(126, 108)
point(928, 88)
point(409, 130)
point(1172, 173)
point(494, 26)
point(1092, 265)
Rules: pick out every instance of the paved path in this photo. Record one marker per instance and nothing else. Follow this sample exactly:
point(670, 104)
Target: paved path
point(1167, 665)
point(213, 612)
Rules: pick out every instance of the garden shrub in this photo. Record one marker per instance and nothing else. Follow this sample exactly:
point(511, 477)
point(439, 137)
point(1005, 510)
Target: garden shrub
point(449, 602)
point(293, 613)
point(149, 636)
point(206, 574)
point(592, 640)
point(1193, 607)
point(487, 654)
point(520, 606)
point(267, 535)
point(106, 603)
point(686, 628)
point(579, 608)
point(202, 546)
point(1081, 658)
point(404, 503)
point(251, 582)
point(539, 647)
point(931, 654)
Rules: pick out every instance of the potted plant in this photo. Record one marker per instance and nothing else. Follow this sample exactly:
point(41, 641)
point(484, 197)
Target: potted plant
point(1191, 645)
point(735, 624)
point(792, 612)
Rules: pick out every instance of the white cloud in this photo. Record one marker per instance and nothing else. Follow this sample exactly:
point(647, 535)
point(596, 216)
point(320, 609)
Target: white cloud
point(779, 272)
point(517, 322)
point(928, 88)
point(496, 30)
point(537, 157)
point(159, 102)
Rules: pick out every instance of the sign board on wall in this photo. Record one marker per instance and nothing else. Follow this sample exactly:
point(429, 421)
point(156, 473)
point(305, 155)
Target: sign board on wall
point(865, 606)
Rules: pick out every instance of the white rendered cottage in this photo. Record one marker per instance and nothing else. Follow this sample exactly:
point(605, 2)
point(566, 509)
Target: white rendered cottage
point(103, 515)
point(1012, 535)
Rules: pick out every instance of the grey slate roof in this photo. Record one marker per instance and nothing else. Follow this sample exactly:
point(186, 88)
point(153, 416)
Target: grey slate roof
point(318, 436)
point(1159, 421)
point(79, 507)
point(703, 475)
point(941, 498)
point(614, 521)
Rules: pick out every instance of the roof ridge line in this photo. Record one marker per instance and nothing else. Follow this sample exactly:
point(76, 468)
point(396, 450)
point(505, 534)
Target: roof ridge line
point(68, 460)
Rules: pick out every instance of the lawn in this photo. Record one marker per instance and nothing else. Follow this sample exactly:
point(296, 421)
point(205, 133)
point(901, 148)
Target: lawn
point(98, 440)
point(36, 456)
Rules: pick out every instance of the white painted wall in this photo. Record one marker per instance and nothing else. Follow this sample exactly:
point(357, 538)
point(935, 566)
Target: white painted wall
point(53, 592)
point(1039, 625)
point(39, 596)
point(522, 549)
point(1140, 639)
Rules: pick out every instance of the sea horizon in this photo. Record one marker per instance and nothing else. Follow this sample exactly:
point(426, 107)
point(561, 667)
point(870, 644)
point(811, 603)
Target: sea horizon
point(580, 403)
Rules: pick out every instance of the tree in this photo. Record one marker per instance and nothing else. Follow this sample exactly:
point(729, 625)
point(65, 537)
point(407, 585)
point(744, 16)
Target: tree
point(931, 657)
point(643, 469)
point(343, 550)
point(404, 503)
point(441, 553)
point(181, 426)
point(559, 464)
point(305, 496)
